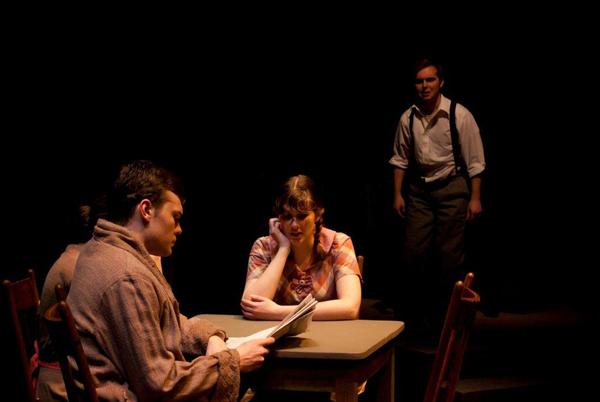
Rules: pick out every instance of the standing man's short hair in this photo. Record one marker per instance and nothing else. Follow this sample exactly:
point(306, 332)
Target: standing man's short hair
point(424, 62)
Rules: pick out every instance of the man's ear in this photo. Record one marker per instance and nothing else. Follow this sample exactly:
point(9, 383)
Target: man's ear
point(146, 209)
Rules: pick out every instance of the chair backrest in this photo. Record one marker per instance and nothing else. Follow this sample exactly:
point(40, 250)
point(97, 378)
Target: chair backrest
point(453, 342)
point(65, 337)
point(361, 263)
point(21, 301)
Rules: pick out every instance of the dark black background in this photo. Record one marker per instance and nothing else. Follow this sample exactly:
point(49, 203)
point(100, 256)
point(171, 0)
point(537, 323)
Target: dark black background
point(237, 109)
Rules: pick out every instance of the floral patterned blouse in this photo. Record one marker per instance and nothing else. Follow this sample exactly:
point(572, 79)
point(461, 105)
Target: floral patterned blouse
point(319, 278)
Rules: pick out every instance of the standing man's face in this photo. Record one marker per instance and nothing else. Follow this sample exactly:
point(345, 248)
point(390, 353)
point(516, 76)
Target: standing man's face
point(428, 84)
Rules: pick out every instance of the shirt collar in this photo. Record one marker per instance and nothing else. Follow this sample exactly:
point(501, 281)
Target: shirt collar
point(444, 107)
point(326, 238)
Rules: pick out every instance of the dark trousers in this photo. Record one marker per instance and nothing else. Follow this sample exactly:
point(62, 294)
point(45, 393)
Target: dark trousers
point(434, 250)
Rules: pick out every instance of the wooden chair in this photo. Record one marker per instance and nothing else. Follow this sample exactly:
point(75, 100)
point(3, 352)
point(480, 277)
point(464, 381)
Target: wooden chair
point(65, 338)
point(453, 341)
point(20, 301)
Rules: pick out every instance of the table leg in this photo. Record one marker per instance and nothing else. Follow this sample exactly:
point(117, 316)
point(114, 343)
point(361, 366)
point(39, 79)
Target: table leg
point(385, 386)
point(346, 391)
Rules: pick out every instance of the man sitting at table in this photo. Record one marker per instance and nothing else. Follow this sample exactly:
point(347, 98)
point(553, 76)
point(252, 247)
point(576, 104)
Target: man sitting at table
point(127, 315)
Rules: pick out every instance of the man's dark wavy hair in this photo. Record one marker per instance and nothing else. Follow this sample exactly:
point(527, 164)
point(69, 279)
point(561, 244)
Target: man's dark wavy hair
point(136, 181)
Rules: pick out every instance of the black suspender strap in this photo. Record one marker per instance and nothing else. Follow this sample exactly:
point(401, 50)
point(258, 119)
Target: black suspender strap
point(411, 119)
point(461, 167)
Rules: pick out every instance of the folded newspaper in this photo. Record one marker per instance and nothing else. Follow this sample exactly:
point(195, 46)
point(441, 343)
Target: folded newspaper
point(294, 323)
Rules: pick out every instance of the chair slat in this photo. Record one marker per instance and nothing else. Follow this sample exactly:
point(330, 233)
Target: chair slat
point(449, 356)
point(20, 300)
point(80, 385)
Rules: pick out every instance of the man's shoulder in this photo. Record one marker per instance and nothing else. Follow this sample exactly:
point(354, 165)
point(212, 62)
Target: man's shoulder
point(107, 262)
point(100, 252)
point(66, 261)
point(461, 110)
point(407, 112)
point(405, 116)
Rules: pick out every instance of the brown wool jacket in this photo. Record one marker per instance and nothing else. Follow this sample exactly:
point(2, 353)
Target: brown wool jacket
point(133, 333)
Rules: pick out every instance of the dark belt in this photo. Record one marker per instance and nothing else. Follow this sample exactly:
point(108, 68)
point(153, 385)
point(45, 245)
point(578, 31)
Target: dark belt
point(420, 181)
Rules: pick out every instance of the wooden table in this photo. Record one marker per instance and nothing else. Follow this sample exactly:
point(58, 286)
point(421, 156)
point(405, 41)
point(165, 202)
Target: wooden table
point(332, 356)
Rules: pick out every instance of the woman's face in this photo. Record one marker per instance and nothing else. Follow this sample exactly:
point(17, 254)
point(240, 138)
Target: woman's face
point(298, 226)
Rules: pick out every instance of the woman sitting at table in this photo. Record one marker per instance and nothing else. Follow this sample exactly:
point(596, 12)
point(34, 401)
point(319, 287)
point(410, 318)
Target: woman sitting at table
point(301, 256)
